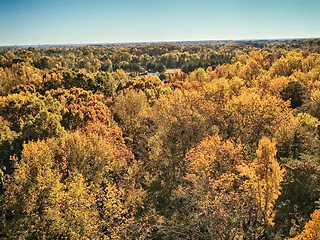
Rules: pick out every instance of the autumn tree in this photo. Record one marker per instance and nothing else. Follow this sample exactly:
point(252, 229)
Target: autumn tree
point(27, 117)
point(79, 107)
point(187, 122)
point(211, 196)
point(285, 66)
point(199, 75)
point(129, 108)
point(226, 195)
point(6, 60)
point(83, 185)
point(312, 228)
point(44, 207)
point(250, 116)
point(19, 75)
point(263, 184)
point(132, 112)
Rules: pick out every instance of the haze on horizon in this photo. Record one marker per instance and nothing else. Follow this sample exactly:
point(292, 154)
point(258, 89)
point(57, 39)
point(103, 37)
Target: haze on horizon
point(83, 21)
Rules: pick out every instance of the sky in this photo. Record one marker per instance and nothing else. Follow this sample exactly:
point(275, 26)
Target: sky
point(33, 22)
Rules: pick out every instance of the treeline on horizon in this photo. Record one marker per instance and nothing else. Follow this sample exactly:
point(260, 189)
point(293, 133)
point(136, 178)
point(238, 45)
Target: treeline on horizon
point(224, 144)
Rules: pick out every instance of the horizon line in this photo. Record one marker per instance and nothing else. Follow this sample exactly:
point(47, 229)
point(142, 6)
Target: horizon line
point(152, 42)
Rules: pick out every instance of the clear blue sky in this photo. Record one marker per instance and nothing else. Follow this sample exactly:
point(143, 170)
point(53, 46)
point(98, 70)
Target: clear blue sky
point(110, 21)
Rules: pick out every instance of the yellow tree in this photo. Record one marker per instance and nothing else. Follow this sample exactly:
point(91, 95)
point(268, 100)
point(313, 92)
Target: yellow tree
point(129, 108)
point(218, 91)
point(80, 186)
point(312, 229)
point(182, 120)
point(264, 178)
point(250, 70)
point(40, 206)
point(285, 66)
point(199, 75)
point(19, 75)
point(226, 195)
point(213, 207)
point(251, 116)
point(27, 117)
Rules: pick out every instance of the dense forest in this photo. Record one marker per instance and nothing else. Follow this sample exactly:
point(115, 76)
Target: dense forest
point(222, 144)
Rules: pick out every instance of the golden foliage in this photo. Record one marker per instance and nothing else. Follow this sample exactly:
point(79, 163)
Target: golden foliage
point(265, 176)
point(80, 186)
point(252, 116)
point(212, 158)
point(312, 229)
point(199, 75)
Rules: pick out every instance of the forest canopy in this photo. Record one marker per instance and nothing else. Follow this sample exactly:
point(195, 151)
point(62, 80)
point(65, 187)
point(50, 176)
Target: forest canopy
point(161, 141)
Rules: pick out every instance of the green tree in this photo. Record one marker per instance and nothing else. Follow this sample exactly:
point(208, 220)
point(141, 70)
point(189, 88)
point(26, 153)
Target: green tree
point(296, 93)
point(160, 67)
point(27, 117)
